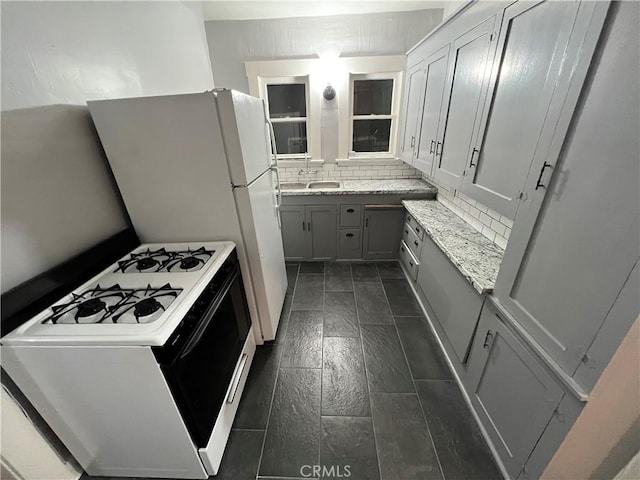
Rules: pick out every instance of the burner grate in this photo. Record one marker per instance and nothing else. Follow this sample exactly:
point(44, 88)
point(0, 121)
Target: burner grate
point(114, 305)
point(162, 260)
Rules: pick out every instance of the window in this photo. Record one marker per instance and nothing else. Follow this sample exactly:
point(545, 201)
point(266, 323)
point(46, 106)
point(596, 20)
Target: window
point(371, 116)
point(287, 106)
point(369, 109)
point(362, 118)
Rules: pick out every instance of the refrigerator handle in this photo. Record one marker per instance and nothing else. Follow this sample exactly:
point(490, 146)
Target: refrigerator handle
point(274, 166)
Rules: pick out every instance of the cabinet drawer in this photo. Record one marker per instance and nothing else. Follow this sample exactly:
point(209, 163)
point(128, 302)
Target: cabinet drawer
point(350, 215)
point(410, 237)
point(413, 225)
point(409, 261)
point(349, 238)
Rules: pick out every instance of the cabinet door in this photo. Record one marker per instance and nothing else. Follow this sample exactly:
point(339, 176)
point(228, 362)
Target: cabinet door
point(322, 231)
point(512, 393)
point(532, 42)
point(571, 252)
point(436, 75)
point(412, 110)
point(454, 301)
point(469, 67)
point(382, 231)
point(293, 231)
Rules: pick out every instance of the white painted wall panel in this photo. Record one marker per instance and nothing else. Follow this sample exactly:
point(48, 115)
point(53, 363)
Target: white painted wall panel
point(57, 196)
point(231, 43)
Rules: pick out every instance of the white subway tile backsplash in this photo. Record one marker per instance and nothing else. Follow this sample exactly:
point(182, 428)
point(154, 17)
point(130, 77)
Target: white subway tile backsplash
point(489, 223)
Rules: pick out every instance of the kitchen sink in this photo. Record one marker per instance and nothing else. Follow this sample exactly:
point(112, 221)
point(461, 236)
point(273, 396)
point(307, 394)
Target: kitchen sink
point(314, 185)
point(293, 185)
point(310, 185)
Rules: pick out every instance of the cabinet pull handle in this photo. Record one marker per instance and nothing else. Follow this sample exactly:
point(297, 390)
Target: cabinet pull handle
point(366, 222)
point(431, 148)
point(408, 218)
point(413, 140)
point(473, 152)
point(402, 248)
point(309, 226)
point(438, 149)
point(350, 210)
point(410, 263)
point(407, 232)
point(418, 229)
point(539, 183)
point(415, 242)
point(487, 339)
point(349, 235)
point(303, 229)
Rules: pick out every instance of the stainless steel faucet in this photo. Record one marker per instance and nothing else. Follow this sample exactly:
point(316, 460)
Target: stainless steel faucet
point(306, 170)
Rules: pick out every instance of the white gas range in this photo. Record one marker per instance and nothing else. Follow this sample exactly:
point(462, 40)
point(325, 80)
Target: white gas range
point(139, 371)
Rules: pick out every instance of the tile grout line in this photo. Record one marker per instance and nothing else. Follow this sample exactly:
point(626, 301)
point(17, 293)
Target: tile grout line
point(275, 382)
point(324, 300)
point(366, 375)
point(424, 416)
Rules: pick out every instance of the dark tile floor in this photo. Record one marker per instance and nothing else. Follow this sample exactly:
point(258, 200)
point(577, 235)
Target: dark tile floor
point(355, 383)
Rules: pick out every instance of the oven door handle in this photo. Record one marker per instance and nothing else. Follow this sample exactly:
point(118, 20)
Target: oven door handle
point(237, 376)
point(202, 327)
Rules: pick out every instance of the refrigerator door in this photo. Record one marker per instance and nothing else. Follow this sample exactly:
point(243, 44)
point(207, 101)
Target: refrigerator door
point(246, 139)
point(262, 237)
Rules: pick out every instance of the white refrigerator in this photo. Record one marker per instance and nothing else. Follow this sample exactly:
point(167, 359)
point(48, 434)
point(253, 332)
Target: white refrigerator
point(196, 168)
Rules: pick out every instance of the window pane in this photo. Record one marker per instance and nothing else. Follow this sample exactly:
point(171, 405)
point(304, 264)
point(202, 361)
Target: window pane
point(372, 96)
point(371, 135)
point(291, 137)
point(287, 100)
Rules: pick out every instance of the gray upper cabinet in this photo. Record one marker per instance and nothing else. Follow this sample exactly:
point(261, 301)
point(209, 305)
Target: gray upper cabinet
point(531, 52)
point(435, 78)
point(294, 229)
point(575, 238)
point(513, 394)
point(322, 232)
point(382, 231)
point(412, 109)
point(469, 68)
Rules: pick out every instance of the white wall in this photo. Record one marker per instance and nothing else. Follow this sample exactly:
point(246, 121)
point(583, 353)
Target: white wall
point(57, 195)
point(231, 43)
point(70, 52)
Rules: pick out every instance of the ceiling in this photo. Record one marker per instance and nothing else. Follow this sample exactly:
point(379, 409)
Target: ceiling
point(257, 9)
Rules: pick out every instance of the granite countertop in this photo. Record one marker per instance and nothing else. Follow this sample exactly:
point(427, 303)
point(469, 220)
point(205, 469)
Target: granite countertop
point(477, 257)
point(362, 187)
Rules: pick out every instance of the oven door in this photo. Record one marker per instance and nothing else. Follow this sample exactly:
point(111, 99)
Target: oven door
point(210, 362)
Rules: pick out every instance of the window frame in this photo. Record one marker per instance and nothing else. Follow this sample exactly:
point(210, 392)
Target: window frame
point(264, 94)
point(393, 115)
point(370, 68)
point(263, 73)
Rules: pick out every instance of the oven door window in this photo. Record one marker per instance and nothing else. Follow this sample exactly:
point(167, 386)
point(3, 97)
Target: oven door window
point(200, 375)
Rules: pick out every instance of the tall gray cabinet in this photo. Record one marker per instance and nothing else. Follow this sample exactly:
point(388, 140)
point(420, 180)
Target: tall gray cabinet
point(539, 122)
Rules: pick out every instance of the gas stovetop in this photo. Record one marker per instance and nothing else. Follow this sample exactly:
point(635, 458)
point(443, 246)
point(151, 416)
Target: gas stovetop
point(114, 304)
point(138, 300)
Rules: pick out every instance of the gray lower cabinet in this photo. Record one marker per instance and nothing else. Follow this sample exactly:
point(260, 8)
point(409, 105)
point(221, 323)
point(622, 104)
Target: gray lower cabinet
point(322, 232)
point(382, 231)
point(309, 232)
point(455, 303)
point(513, 394)
point(294, 231)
